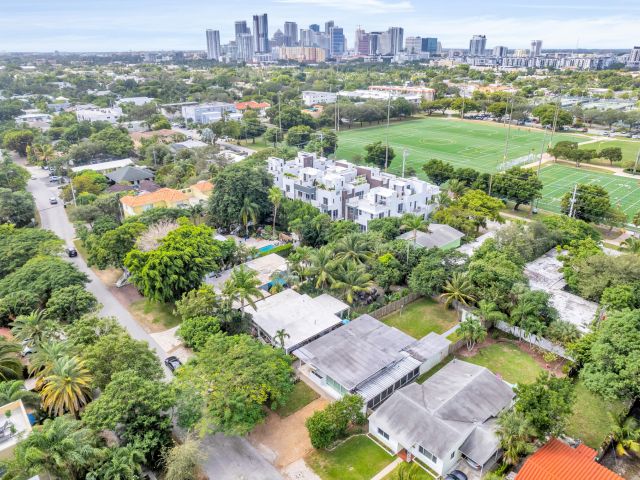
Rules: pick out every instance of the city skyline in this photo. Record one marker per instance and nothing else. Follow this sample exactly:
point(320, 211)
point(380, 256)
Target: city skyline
point(117, 25)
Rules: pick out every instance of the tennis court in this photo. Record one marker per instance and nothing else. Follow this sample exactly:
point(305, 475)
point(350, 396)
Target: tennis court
point(624, 192)
point(479, 145)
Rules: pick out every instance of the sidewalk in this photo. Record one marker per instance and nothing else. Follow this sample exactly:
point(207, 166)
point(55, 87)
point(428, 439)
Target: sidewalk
point(387, 470)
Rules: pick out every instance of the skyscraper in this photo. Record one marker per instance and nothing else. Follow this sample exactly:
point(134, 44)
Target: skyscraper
point(336, 42)
point(634, 55)
point(500, 51)
point(536, 48)
point(241, 27)
point(214, 51)
point(430, 45)
point(305, 37)
point(314, 27)
point(413, 45)
point(396, 39)
point(477, 45)
point(361, 43)
point(290, 34)
point(246, 48)
point(261, 33)
point(328, 26)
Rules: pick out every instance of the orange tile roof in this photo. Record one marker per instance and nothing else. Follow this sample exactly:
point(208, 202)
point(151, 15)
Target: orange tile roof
point(163, 195)
point(558, 461)
point(252, 104)
point(203, 185)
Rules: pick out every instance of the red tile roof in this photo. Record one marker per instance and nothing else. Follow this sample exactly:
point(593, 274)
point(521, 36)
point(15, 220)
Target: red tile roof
point(558, 461)
point(252, 105)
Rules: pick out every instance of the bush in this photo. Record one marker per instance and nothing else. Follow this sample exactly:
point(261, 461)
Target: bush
point(328, 425)
point(196, 331)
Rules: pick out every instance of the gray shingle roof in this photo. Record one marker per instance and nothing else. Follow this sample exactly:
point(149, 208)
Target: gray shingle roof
point(129, 174)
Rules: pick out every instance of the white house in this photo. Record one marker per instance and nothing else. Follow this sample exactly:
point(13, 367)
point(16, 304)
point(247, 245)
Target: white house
point(310, 97)
point(14, 427)
point(111, 115)
point(451, 416)
point(210, 112)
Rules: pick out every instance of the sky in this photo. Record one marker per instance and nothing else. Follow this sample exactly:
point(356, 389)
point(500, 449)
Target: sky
point(122, 25)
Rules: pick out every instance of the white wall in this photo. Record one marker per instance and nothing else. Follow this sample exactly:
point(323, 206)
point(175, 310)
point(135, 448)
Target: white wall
point(434, 360)
point(391, 444)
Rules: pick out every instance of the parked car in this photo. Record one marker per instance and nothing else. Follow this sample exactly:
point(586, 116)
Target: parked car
point(53, 200)
point(456, 475)
point(71, 252)
point(172, 363)
point(54, 178)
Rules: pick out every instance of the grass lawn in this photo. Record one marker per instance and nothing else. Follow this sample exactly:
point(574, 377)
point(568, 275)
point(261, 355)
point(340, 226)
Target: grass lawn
point(507, 360)
point(301, 396)
point(422, 317)
point(479, 145)
point(419, 474)
point(359, 458)
point(154, 313)
point(590, 421)
point(629, 149)
point(560, 179)
point(422, 378)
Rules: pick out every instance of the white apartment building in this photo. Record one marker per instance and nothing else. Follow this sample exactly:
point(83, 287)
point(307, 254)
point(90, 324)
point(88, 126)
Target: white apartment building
point(310, 98)
point(344, 190)
point(111, 115)
point(210, 112)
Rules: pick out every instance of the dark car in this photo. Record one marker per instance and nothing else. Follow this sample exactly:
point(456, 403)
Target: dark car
point(172, 363)
point(456, 475)
point(72, 252)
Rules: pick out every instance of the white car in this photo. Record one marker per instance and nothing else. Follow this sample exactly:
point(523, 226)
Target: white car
point(53, 200)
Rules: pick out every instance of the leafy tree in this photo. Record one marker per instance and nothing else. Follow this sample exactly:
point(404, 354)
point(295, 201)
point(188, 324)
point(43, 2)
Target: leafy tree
point(388, 227)
point(18, 245)
point(42, 276)
point(18, 141)
point(519, 185)
point(498, 109)
point(547, 112)
point(13, 176)
point(70, 303)
point(236, 376)
point(631, 245)
point(324, 143)
point(563, 149)
point(472, 331)
point(114, 141)
point(299, 136)
point(66, 386)
point(612, 366)
point(564, 332)
point(121, 463)
point(135, 408)
point(515, 433)
point(613, 154)
point(591, 203)
point(546, 404)
point(621, 297)
point(569, 229)
point(590, 275)
point(200, 302)
point(431, 274)
point(470, 212)
point(182, 462)
point(342, 228)
point(328, 425)
point(17, 208)
point(89, 329)
point(196, 331)
point(288, 116)
point(17, 303)
point(61, 447)
point(118, 352)
point(111, 248)
point(379, 154)
point(387, 271)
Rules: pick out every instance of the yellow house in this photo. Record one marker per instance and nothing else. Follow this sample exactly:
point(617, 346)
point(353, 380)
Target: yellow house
point(166, 198)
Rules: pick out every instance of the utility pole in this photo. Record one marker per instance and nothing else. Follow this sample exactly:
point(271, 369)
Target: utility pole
point(405, 153)
point(506, 143)
point(386, 154)
point(544, 137)
point(573, 201)
point(635, 166)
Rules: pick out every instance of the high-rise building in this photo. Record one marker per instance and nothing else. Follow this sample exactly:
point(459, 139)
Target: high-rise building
point(305, 37)
point(336, 42)
point(290, 34)
point(261, 33)
point(314, 27)
point(430, 45)
point(634, 55)
point(246, 48)
point(536, 48)
point(396, 38)
point(328, 26)
point(241, 27)
point(361, 43)
point(413, 45)
point(278, 38)
point(500, 51)
point(477, 45)
point(214, 50)
point(375, 43)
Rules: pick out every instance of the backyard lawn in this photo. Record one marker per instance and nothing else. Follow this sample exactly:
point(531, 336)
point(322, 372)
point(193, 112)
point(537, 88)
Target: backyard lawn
point(590, 421)
point(301, 396)
point(155, 314)
point(507, 360)
point(417, 473)
point(359, 458)
point(422, 317)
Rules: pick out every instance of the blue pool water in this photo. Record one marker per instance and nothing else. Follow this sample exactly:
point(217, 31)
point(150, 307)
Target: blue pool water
point(266, 248)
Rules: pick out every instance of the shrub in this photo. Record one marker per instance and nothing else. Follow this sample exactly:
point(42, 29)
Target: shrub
point(328, 425)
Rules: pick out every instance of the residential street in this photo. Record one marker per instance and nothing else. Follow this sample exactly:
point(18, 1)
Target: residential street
point(226, 458)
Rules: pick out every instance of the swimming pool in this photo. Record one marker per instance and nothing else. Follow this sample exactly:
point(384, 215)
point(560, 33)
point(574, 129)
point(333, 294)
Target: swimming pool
point(266, 248)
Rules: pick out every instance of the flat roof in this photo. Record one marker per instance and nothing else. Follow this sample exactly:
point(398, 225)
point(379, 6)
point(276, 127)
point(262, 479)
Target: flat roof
point(99, 167)
point(437, 236)
point(267, 265)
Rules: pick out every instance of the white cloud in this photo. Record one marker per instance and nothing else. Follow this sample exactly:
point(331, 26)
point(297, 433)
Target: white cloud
point(365, 6)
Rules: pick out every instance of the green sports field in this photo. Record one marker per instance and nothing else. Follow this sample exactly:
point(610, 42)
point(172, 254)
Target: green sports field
point(479, 145)
point(629, 147)
point(559, 179)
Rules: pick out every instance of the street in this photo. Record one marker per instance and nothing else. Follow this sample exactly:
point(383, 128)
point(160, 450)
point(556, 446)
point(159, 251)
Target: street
point(225, 458)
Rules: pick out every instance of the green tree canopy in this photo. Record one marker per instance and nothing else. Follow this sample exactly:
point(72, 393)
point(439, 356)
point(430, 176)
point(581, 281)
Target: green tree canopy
point(70, 303)
point(520, 185)
point(17, 208)
point(18, 245)
point(591, 204)
point(379, 154)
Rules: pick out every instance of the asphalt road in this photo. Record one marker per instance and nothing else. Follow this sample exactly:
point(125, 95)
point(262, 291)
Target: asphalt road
point(225, 458)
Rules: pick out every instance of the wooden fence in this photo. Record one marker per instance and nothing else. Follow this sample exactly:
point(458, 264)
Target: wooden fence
point(394, 306)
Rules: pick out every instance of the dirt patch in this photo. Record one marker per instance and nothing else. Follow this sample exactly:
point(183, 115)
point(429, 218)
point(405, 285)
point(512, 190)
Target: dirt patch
point(286, 438)
point(109, 276)
point(128, 295)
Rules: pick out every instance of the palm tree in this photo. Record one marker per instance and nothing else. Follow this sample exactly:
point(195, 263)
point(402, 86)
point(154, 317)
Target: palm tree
point(488, 312)
point(322, 267)
point(625, 433)
point(472, 331)
point(352, 248)
point(275, 197)
point(122, 463)
point(61, 447)
point(66, 386)
point(14, 390)
point(632, 245)
point(456, 187)
point(351, 278)
point(243, 285)
point(42, 152)
point(248, 212)
point(514, 432)
point(414, 223)
point(10, 365)
point(33, 328)
point(45, 356)
point(281, 335)
point(408, 471)
point(457, 289)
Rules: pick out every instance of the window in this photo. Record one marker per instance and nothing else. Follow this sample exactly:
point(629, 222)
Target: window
point(453, 454)
point(382, 433)
point(427, 454)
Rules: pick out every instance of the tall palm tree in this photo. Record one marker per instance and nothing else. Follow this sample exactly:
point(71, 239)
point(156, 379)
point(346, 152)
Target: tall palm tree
point(352, 248)
point(66, 386)
point(625, 433)
point(514, 432)
point(43, 152)
point(13, 390)
point(632, 245)
point(415, 224)
point(45, 356)
point(472, 331)
point(10, 365)
point(275, 197)
point(351, 278)
point(322, 266)
point(63, 448)
point(249, 212)
point(457, 289)
point(33, 328)
point(243, 284)
point(281, 335)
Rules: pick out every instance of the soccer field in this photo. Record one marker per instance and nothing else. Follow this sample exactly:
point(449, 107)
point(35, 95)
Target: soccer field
point(559, 179)
point(479, 145)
